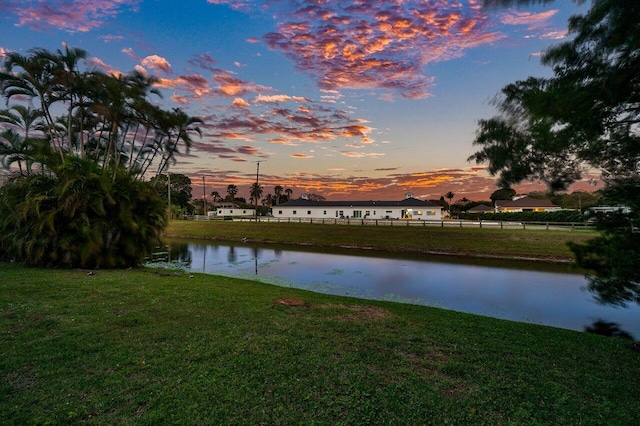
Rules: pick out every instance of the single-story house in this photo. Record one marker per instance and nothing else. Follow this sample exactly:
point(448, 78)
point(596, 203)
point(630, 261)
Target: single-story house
point(481, 208)
point(409, 208)
point(525, 204)
point(231, 209)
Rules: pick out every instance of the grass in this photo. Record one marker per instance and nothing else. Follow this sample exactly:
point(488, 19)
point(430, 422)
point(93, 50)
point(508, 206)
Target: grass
point(143, 347)
point(504, 243)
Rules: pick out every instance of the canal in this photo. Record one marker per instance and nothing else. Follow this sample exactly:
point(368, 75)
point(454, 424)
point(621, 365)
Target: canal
point(532, 292)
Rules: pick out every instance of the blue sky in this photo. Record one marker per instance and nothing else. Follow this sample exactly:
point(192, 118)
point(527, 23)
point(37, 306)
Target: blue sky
point(349, 99)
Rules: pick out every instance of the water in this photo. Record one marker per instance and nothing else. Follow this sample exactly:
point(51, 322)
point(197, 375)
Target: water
point(517, 291)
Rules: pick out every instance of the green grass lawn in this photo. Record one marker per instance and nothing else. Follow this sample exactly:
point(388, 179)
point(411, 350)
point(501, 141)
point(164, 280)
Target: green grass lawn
point(143, 347)
point(509, 243)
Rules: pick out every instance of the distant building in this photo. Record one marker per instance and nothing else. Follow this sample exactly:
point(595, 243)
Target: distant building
point(409, 208)
point(231, 209)
point(481, 208)
point(525, 204)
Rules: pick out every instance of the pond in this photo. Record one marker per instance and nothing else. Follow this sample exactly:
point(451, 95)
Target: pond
point(519, 291)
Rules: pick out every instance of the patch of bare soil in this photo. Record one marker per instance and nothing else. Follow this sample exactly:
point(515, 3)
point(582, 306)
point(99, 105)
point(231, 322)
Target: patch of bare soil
point(361, 312)
point(291, 302)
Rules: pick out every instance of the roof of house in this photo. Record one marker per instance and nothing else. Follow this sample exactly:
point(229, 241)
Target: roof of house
point(526, 202)
point(407, 202)
point(480, 208)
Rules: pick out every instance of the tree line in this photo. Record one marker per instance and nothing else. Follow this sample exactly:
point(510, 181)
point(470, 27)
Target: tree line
point(77, 144)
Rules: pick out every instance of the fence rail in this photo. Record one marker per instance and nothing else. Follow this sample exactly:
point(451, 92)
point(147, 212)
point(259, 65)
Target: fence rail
point(451, 223)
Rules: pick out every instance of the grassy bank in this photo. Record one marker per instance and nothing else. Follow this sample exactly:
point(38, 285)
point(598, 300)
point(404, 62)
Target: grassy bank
point(137, 347)
point(506, 243)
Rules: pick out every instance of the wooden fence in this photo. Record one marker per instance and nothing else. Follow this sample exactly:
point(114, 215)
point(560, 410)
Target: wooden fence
point(486, 224)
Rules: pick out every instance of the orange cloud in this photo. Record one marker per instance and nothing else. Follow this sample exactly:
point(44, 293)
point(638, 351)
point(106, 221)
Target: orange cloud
point(378, 44)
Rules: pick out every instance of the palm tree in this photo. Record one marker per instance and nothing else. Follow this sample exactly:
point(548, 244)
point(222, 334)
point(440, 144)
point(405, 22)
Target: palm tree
point(216, 196)
point(14, 150)
point(255, 193)
point(32, 77)
point(288, 191)
point(232, 190)
point(450, 196)
point(278, 192)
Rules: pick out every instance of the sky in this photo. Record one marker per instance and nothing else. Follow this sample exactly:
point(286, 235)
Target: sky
point(348, 99)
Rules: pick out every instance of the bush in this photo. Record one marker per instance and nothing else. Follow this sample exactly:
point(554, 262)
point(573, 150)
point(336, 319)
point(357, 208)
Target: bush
point(79, 216)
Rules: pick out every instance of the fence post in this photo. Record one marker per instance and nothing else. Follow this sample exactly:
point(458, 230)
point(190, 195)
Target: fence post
point(547, 226)
point(524, 225)
point(442, 224)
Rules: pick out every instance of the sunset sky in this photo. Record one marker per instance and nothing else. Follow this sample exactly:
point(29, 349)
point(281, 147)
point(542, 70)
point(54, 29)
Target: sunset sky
point(349, 99)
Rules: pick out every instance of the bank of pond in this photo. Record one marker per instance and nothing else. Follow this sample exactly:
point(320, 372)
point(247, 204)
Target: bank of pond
point(532, 292)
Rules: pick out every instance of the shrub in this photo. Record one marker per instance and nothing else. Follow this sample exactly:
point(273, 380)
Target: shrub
point(80, 216)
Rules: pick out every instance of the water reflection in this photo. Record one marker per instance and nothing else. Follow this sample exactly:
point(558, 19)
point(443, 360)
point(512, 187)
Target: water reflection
point(519, 291)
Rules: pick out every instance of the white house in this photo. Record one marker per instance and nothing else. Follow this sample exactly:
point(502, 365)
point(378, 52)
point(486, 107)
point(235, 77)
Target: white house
point(409, 208)
point(233, 210)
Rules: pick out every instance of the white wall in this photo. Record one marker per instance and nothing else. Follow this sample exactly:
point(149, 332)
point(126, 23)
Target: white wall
point(428, 213)
point(235, 212)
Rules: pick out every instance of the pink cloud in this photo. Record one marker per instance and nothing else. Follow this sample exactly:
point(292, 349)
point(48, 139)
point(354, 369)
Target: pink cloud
point(378, 44)
point(529, 19)
point(158, 63)
point(301, 156)
point(68, 15)
point(99, 63)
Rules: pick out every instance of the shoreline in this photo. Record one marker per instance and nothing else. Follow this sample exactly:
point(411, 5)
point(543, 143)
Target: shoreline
point(460, 254)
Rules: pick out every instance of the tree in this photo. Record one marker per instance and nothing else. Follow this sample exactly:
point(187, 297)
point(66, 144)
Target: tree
point(450, 196)
point(277, 190)
point(255, 193)
point(232, 191)
point(97, 135)
point(315, 197)
point(587, 115)
point(502, 194)
point(288, 191)
point(181, 191)
point(216, 196)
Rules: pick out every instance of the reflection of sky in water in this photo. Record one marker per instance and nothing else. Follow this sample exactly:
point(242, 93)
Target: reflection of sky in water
point(549, 298)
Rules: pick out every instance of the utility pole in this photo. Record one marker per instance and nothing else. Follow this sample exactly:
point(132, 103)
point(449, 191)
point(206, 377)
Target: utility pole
point(169, 191)
point(257, 186)
point(204, 199)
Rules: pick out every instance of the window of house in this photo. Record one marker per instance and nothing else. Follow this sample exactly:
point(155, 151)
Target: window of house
point(431, 212)
point(419, 213)
point(367, 213)
point(389, 211)
point(325, 212)
point(308, 211)
point(294, 212)
point(279, 211)
point(231, 211)
point(357, 214)
point(341, 213)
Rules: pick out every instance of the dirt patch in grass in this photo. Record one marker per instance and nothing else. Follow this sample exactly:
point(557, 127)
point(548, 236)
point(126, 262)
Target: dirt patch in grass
point(291, 302)
point(360, 312)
